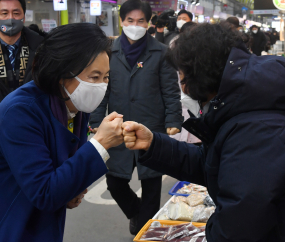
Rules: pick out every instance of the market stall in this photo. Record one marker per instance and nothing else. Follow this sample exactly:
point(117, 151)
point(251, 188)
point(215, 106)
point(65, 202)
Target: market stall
point(186, 211)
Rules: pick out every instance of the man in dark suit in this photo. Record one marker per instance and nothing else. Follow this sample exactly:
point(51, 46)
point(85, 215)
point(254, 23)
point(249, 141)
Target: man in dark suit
point(18, 46)
point(142, 87)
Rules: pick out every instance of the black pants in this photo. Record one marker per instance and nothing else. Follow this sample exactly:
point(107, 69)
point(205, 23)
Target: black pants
point(129, 202)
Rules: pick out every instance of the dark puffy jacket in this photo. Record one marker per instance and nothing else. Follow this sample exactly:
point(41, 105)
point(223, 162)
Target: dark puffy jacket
point(242, 162)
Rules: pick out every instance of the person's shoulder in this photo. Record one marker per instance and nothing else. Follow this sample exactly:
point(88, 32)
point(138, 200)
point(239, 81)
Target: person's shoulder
point(155, 44)
point(25, 96)
point(33, 38)
point(116, 44)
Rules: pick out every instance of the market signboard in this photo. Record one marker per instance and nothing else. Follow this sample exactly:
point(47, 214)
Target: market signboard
point(280, 4)
point(95, 8)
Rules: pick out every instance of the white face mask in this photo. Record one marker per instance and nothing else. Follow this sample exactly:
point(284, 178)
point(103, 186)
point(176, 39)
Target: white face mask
point(134, 32)
point(240, 30)
point(87, 96)
point(180, 23)
point(254, 31)
point(190, 104)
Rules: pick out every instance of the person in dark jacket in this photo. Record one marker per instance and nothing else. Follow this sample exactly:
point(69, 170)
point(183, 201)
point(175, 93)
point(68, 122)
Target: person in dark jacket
point(46, 163)
point(242, 158)
point(183, 17)
point(259, 40)
point(17, 49)
point(144, 88)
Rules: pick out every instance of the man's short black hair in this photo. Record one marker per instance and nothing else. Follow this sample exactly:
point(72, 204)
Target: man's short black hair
point(131, 5)
point(234, 21)
point(23, 4)
point(187, 12)
point(65, 52)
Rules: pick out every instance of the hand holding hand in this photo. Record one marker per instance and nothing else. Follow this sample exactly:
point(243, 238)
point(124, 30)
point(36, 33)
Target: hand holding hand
point(109, 133)
point(172, 131)
point(136, 136)
point(76, 201)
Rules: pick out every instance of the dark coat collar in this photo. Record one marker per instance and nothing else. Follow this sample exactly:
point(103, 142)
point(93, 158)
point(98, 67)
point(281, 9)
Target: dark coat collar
point(152, 44)
point(33, 38)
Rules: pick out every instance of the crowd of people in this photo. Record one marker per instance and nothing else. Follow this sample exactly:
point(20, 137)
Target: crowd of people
point(198, 103)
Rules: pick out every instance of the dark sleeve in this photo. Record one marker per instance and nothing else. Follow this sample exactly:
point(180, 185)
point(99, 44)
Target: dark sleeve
point(249, 181)
point(99, 113)
point(47, 187)
point(159, 37)
point(170, 92)
point(180, 160)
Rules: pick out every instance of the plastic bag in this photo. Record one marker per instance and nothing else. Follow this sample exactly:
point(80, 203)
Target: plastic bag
point(195, 199)
point(202, 213)
point(208, 201)
point(180, 211)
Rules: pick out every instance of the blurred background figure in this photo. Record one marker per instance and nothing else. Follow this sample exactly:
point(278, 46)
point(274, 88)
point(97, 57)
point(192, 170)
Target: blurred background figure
point(182, 18)
point(151, 31)
point(36, 28)
point(259, 40)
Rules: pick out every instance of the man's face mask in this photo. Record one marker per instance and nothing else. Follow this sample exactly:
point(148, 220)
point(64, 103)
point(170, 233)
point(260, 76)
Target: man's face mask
point(11, 26)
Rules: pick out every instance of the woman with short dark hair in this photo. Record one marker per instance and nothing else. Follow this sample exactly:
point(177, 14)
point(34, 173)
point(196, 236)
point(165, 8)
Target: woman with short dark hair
point(242, 158)
point(46, 163)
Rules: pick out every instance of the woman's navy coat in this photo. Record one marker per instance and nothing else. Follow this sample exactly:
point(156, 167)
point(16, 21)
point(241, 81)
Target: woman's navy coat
point(37, 177)
point(243, 159)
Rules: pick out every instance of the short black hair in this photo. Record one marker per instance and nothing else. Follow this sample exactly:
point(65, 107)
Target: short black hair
point(187, 26)
point(187, 12)
point(201, 54)
point(23, 4)
point(234, 21)
point(131, 5)
point(67, 48)
point(151, 30)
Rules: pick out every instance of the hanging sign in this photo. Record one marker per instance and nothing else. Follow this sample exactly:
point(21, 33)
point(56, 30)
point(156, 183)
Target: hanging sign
point(280, 4)
point(95, 8)
point(59, 5)
point(48, 24)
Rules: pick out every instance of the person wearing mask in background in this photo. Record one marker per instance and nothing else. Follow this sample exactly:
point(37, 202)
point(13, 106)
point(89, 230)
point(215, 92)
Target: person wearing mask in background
point(183, 17)
point(234, 23)
point(259, 40)
point(274, 37)
point(142, 87)
point(151, 31)
point(45, 159)
point(242, 158)
point(18, 46)
point(240, 28)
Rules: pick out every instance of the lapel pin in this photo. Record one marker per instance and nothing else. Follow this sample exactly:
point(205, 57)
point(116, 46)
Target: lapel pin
point(139, 65)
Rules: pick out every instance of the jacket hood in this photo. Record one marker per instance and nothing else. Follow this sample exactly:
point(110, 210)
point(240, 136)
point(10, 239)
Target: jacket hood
point(249, 83)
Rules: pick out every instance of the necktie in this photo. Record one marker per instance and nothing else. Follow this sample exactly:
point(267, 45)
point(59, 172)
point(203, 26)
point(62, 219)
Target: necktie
point(12, 50)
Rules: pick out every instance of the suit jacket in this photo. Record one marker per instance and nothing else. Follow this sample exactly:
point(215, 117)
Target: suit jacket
point(34, 40)
point(37, 175)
